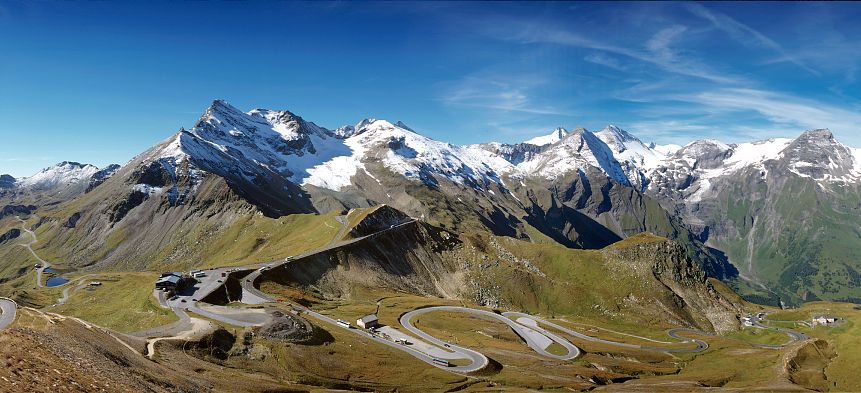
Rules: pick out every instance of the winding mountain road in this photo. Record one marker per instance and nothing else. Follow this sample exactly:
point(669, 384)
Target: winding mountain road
point(72, 288)
point(45, 264)
point(535, 337)
point(701, 345)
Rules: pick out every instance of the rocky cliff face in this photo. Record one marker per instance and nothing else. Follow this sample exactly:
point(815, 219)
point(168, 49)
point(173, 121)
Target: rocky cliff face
point(10, 234)
point(7, 181)
point(665, 267)
point(23, 210)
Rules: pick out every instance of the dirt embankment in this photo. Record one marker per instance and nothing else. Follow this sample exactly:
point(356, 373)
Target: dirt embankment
point(47, 352)
point(807, 366)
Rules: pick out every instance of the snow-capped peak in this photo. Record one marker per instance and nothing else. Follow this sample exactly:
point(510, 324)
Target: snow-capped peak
point(64, 173)
point(554, 137)
point(617, 138)
point(400, 124)
point(628, 148)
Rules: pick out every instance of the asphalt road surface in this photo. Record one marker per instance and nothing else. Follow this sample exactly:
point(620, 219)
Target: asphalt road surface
point(527, 333)
point(793, 335)
point(9, 308)
point(701, 345)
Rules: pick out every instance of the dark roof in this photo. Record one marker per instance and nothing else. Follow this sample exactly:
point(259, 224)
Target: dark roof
point(368, 318)
point(166, 274)
point(168, 279)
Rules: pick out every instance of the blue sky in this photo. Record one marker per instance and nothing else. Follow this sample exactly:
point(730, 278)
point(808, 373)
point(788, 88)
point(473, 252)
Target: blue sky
point(101, 82)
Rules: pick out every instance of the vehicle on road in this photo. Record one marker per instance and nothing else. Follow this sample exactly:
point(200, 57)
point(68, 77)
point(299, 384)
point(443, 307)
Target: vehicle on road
point(441, 362)
point(343, 323)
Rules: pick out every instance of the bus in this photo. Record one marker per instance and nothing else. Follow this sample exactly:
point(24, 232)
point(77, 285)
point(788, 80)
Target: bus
point(441, 362)
point(343, 323)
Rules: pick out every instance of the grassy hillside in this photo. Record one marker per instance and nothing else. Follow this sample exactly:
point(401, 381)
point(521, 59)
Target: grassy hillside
point(124, 302)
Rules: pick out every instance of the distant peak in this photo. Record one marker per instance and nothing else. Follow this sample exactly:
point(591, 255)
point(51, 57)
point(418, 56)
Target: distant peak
point(400, 124)
point(219, 105)
point(364, 123)
point(69, 163)
point(820, 133)
point(617, 133)
point(555, 136)
point(819, 139)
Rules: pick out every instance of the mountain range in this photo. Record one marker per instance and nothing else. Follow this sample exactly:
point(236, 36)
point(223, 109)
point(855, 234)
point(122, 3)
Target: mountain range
point(775, 219)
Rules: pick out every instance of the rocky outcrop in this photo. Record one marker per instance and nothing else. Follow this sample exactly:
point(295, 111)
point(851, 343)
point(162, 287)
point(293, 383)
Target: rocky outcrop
point(11, 234)
point(10, 210)
point(381, 218)
point(101, 176)
point(72, 221)
point(7, 181)
point(691, 297)
point(118, 211)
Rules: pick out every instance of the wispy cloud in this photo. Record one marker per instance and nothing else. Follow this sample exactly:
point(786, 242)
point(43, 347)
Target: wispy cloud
point(603, 59)
point(659, 44)
point(502, 91)
point(658, 51)
point(782, 108)
point(744, 34)
point(736, 115)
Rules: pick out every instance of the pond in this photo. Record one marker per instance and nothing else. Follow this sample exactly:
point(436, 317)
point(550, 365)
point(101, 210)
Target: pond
point(55, 281)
